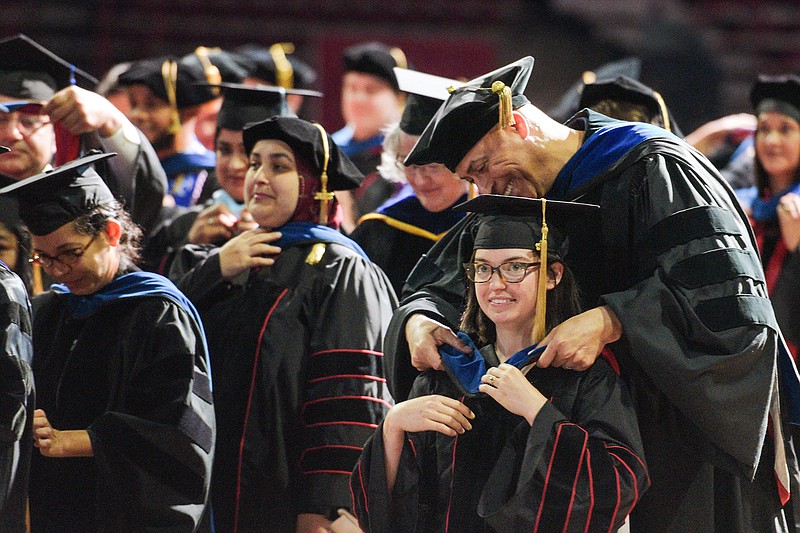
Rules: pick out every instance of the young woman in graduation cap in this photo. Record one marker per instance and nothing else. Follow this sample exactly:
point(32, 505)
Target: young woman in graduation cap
point(295, 315)
point(496, 443)
point(124, 418)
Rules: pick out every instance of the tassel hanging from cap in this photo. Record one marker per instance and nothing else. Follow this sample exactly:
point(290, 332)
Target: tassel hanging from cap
point(503, 92)
point(324, 196)
point(284, 73)
point(662, 107)
point(169, 72)
point(210, 70)
point(539, 323)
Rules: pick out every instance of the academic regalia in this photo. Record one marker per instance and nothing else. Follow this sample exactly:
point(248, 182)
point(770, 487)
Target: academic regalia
point(700, 343)
point(127, 363)
point(400, 232)
point(17, 401)
point(579, 467)
point(293, 419)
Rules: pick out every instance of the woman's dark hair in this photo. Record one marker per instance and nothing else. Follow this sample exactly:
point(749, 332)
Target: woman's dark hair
point(93, 223)
point(23, 268)
point(563, 302)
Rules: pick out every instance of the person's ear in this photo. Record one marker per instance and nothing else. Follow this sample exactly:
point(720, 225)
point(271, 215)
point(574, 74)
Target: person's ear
point(113, 232)
point(557, 270)
point(520, 125)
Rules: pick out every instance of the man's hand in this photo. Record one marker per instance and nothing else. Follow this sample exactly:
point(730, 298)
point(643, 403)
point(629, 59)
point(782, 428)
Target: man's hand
point(54, 443)
point(575, 343)
point(214, 224)
point(424, 336)
point(80, 111)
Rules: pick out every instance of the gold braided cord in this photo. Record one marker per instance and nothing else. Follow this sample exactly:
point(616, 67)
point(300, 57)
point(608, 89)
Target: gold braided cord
point(663, 108)
point(539, 323)
point(324, 196)
point(210, 70)
point(169, 72)
point(399, 57)
point(284, 73)
point(503, 92)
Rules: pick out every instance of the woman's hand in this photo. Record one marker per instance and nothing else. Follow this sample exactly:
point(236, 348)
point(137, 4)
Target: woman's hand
point(510, 388)
point(54, 443)
point(213, 224)
point(789, 220)
point(429, 413)
point(248, 250)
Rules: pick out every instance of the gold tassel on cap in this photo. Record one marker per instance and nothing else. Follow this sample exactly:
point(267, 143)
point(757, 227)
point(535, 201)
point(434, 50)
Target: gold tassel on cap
point(169, 71)
point(539, 323)
point(324, 196)
point(663, 108)
point(210, 70)
point(503, 92)
point(284, 73)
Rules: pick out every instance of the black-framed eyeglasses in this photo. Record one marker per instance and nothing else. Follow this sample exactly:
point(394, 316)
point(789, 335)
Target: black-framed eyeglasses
point(510, 271)
point(26, 122)
point(66, 258)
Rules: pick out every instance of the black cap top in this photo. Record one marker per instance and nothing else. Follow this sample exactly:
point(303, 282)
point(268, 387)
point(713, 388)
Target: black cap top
point(51, 199)
point(569, 105)
point(247, 104)
point(777, 93)
point(516, 222)
point(219, 66)
point(32, 72)
point(426, 94)
point(377, 59)
point(160, 73)
point(305, 138)
point(470, 113)
point(301, 76)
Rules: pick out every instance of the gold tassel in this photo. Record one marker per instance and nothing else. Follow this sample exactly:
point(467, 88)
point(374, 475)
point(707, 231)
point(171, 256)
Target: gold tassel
point(38, 284)
point(210, 70)
point(284, 73)
point(662, 106)
point(324, 196)
point(169, 72)
point(399, 57)
point(539, 323)
point(316, 253)
point(503, 92)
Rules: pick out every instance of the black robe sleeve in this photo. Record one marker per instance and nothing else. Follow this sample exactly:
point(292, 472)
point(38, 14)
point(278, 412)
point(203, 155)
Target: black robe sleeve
point(16, 401)
point(153, 453)
point(694, 311)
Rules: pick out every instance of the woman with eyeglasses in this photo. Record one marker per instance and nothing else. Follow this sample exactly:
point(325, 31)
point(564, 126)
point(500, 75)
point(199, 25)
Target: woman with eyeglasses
point(496, 443)
point(124, 421)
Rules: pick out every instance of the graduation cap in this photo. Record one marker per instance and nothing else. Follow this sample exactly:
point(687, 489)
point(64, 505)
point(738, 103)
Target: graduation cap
point(516, 222)
point(32, 72)
point(53, 198)
point(377, 59)
point(219, 66)
point(180, 83)
point(277, 65)
point(247, 104)
point(426, 94)
point(314, 146)
point(630, 67)
point(470, 112)
point(628, 90)
point(777, 93)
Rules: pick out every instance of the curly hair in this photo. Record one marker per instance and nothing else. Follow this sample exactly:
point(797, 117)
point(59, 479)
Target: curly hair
point(93, 223)
point(563, 301)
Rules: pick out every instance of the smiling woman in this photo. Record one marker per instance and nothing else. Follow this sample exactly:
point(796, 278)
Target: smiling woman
point(119, 410)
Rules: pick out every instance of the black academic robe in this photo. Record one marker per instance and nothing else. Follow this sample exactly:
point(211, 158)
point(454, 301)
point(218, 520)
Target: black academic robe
point(397, 235)
point(297, 352)
point(676, 261)
point(17, 401)
point(579, 467)
point(133, 373)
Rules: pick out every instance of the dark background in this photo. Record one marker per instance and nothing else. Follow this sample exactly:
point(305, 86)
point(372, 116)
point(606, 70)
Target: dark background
point(702, 55)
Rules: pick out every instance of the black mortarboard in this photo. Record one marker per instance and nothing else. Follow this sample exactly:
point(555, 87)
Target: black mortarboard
point(777, 93)
point(167, 74)
point(32, 72)
point(426, 94)
point(51, 199)
point(569, 104)
point(219, 66)
point(628, 90)
point(377, 59)
point(532, 223)
point(296, 74)
point(305, 139)
point(471, 112)
point(247, 104)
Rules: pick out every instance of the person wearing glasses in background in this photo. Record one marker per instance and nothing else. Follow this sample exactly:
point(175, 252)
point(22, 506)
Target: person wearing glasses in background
point(124, 421)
